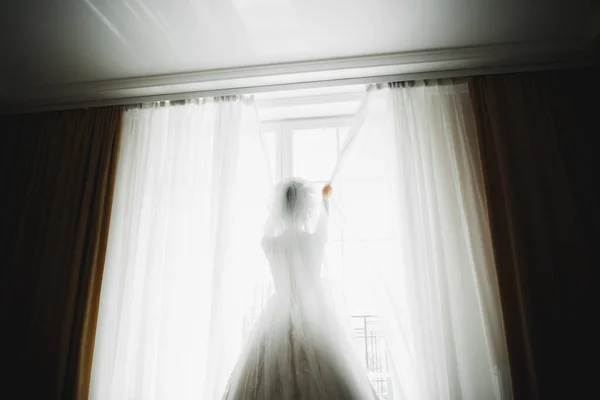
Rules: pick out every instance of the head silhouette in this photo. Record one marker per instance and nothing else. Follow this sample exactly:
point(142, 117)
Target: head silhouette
point(294, 207)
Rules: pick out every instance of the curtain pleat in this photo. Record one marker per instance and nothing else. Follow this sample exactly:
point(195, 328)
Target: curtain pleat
point(535, 132)
point(58, 172)
point(184, 253)
point(415, 231)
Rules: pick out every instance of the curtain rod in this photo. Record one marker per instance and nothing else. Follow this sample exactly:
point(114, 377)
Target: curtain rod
point(237, 91)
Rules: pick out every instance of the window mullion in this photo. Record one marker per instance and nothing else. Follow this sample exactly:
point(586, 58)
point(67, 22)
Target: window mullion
point(285, 151)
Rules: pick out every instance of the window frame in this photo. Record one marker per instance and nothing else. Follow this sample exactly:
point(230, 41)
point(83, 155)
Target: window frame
point(283, 131)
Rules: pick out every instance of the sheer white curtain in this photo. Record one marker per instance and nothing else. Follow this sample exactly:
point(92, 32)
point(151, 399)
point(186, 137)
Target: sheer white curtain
point(183, 253)
point(417, 248)
point(185, 276)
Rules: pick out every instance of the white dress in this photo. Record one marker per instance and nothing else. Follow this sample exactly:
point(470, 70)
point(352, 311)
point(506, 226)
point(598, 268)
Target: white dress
point(299, 349)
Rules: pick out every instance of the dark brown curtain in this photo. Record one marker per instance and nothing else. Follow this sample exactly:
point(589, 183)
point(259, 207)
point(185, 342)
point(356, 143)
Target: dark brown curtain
point(537, 133)
point(58, 172)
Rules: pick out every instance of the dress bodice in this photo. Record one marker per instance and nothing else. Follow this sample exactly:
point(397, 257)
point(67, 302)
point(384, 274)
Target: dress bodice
point(295, 257)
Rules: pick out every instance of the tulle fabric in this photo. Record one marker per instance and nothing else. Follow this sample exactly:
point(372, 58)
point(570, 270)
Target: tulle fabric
point(299, 348)
point(306, 213)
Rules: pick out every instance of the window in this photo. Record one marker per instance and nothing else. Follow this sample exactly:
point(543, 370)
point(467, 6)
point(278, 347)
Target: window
point(308, 148)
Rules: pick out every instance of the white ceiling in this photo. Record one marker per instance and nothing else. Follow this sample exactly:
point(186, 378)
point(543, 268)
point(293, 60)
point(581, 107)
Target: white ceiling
point(63, 43)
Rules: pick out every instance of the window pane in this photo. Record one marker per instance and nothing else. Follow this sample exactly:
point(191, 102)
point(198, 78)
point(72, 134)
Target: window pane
point(336, 222)
point(343, 135)
point(358, 277)
point(367, 208)
point(350, 260)
point(270, 148)
point(314, 153)
point(370, 159)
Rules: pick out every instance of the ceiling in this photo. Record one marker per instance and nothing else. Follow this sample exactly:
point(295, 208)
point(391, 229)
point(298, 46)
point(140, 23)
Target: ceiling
point(81, 50)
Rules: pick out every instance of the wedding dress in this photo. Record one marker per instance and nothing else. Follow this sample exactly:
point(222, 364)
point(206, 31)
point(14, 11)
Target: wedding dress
point(299, 348)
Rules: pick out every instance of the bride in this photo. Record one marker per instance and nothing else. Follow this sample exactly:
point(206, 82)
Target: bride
point(299, 348)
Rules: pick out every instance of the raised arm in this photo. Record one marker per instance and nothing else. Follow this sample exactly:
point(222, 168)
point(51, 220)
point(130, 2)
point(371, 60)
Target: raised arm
point(322, 225)
point(327, 192)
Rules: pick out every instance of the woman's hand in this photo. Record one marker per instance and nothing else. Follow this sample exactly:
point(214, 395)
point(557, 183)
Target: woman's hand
point(327, 190)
